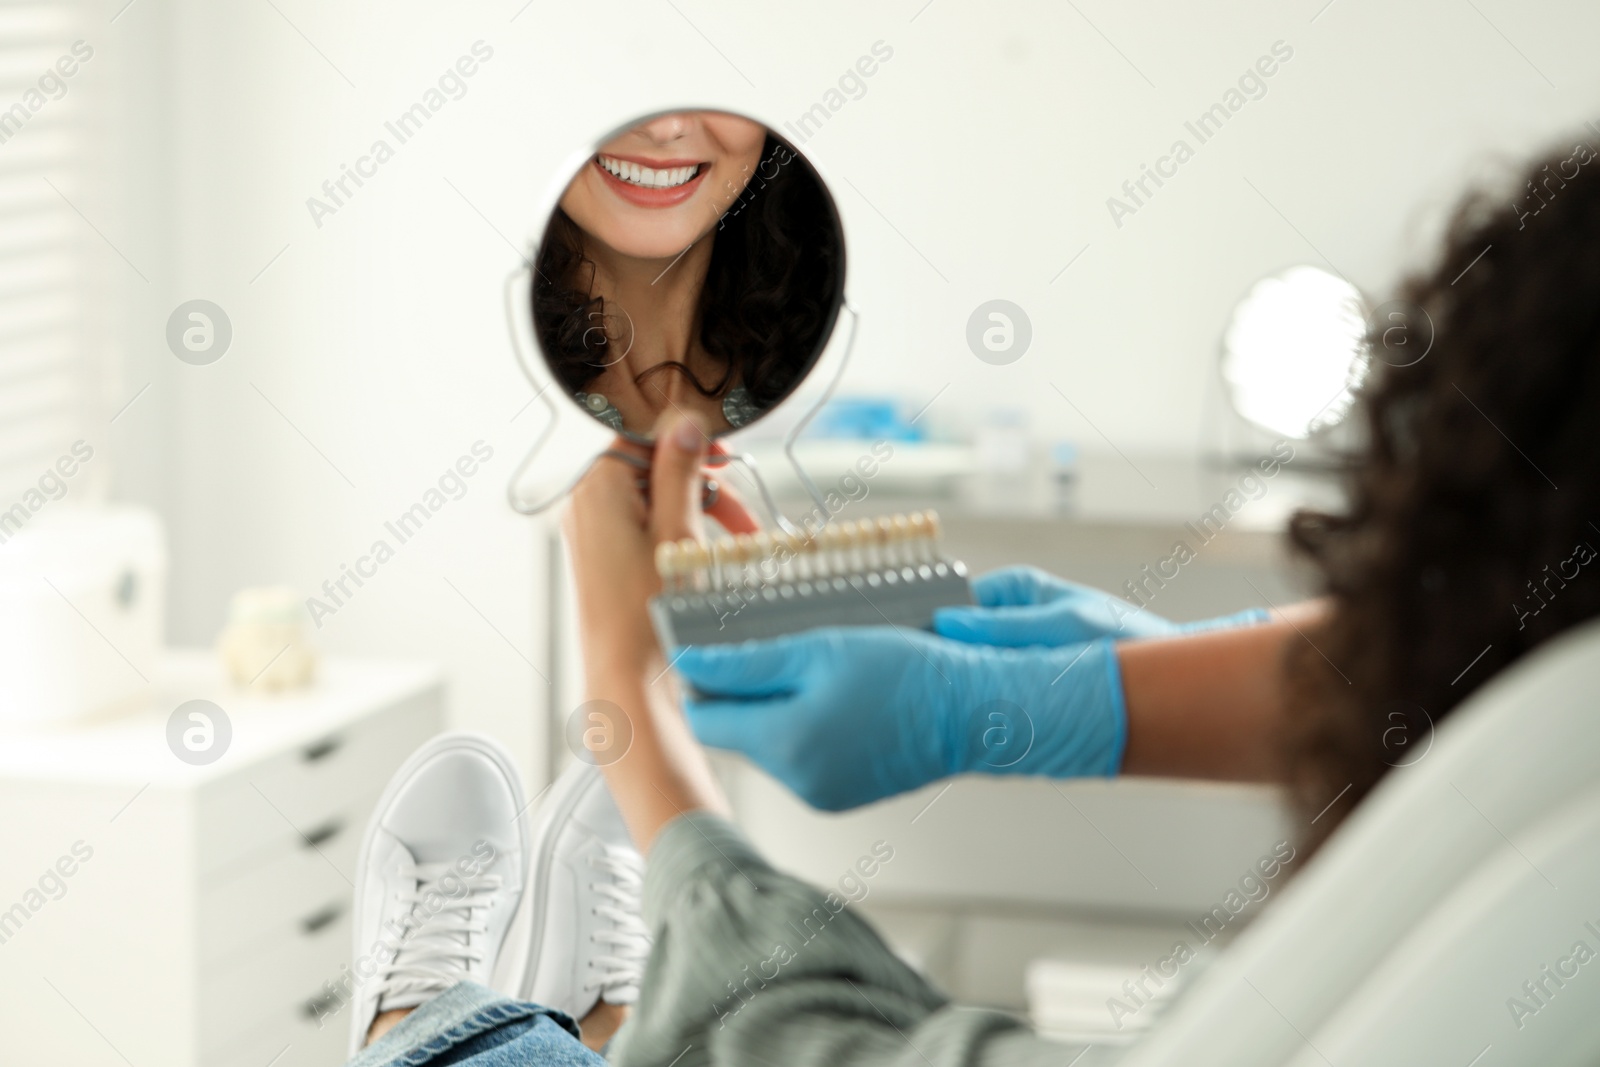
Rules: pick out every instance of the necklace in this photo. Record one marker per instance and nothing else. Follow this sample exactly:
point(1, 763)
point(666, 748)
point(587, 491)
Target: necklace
point(737, 407)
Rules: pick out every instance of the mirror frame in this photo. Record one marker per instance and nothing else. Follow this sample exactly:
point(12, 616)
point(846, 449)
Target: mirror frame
point(536, 369)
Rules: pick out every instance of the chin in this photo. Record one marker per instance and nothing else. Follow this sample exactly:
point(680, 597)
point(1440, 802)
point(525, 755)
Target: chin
point(654, 246)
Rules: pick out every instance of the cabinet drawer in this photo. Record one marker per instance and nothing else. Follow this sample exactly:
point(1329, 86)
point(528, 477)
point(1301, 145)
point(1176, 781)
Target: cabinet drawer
point(286, 890)
point(278, 800)
point(286, 1037)
point(285, 971)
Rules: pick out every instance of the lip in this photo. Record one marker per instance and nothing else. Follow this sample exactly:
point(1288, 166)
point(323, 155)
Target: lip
point(655, 198)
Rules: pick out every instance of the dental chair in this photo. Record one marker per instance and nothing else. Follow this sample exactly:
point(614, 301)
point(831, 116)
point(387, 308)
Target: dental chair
point(1462, 876)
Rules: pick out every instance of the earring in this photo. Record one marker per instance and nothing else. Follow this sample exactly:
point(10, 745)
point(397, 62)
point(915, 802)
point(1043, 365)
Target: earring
point(738, 408)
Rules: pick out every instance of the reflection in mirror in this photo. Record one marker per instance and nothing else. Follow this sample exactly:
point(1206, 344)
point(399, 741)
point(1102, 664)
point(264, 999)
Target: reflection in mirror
point(695, 262)
point(1295, 351)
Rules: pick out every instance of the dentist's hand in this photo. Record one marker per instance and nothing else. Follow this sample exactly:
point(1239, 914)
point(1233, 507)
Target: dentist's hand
point(1023, 606)
point(846, 716)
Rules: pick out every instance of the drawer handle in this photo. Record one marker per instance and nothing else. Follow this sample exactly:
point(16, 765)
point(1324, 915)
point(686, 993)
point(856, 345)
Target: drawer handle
point(321, 750)
point(324, 833)
point(317, 920)
point(321, 1006)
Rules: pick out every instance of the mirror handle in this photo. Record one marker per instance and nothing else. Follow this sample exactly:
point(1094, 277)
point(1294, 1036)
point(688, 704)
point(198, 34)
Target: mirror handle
point(518, 292)
point(793, 436)
point(748, 462)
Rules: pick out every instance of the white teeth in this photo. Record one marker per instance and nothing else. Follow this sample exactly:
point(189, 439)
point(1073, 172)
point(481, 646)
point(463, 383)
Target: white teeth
point(649, 177)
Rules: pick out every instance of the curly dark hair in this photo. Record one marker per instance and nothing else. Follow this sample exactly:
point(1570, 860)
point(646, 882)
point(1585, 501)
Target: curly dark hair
point(772, 292)
point(1474, 497)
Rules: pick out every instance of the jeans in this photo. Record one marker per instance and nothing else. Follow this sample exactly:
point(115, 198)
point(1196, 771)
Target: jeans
point(476, 1027)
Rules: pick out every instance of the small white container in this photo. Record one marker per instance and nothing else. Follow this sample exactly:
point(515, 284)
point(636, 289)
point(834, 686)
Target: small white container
point(265, 643)
point(82, 609)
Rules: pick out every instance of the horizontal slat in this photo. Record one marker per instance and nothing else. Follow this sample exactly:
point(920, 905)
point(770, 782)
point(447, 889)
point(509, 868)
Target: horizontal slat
point(54, 133)
point(43, 309)
point(23, 373)
point(43, 396)
point(39, 269)
point(21, 66)
point(22, 191)
point(43, 352)
point(31, 447)
point(42, 213)
point(20, 303)
point(51, 142)
point(27, 25)
point(49, 114)
point(24, 468)
point(43, 431)
point(44, 299)
point(51, 222)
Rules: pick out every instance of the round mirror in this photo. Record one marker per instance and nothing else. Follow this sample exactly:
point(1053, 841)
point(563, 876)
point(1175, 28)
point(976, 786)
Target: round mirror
point(695, 261)
point(1295, 350)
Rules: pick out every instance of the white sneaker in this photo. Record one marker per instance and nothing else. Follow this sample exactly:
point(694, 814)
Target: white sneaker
point(587, 940)
point(439, 877)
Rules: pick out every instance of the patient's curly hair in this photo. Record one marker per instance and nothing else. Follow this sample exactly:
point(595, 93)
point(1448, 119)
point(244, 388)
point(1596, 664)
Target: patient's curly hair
point(771, 294)
point(1477, 482)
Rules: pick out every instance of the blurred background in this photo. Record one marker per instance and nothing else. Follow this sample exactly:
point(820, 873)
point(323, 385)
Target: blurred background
point(355, 348)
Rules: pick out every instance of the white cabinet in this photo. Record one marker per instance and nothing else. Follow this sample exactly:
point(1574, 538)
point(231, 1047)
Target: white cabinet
point(214, 906)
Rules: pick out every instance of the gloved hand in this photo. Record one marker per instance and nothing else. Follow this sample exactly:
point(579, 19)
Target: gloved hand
point(847, 715)
point(1023, 606)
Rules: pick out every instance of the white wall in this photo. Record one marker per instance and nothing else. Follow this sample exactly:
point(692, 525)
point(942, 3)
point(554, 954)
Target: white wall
point(989, 144)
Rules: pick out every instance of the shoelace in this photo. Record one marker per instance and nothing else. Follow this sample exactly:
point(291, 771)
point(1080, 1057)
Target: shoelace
point(439, 944)
point(618, 965)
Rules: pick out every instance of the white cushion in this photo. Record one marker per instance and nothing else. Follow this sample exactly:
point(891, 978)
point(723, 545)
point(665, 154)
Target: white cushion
point(1452, 884)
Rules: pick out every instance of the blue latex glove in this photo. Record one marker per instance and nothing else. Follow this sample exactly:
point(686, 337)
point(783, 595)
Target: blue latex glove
point(847, 715)
point(1022, 606)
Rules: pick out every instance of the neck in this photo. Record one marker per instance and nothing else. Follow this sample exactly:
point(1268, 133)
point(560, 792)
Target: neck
point(661, 298)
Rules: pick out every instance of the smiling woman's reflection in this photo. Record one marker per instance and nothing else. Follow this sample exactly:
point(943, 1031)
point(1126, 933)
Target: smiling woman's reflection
point(692, 264)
